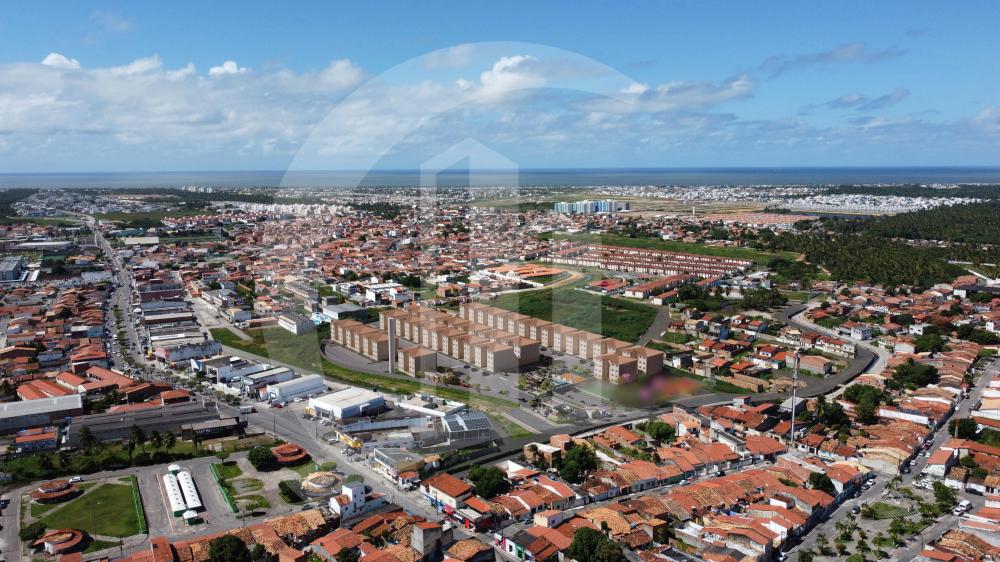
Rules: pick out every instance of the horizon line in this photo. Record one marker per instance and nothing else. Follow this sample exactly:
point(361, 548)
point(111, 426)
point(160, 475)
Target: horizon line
point(547, 169)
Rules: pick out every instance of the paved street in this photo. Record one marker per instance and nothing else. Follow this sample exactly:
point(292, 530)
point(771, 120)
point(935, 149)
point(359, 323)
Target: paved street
point(913, 547)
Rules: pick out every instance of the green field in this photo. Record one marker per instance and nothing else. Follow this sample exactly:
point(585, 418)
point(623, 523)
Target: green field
point(42, 221)
point(228, 470)
point(303, 351)
point(107, 510)
point(673, 246)
point(883, 510)
point(610, 317)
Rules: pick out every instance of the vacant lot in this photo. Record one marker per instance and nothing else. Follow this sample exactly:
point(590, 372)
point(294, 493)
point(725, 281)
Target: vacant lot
point(610, 317)
point(304, 352)
point(107, 510)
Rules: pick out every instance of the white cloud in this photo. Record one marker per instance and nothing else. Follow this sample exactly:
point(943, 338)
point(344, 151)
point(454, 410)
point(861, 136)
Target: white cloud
point(57, 60)
point(341, 74)
point(228, 67)
point(138, 66)
point(174, 114)
point(452, 57)
point(636, 88)
point(511, 73)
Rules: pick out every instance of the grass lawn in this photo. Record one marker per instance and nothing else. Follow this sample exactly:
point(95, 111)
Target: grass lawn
point(228, 470)
point(882, 510)
point(723, 386)
point(676, 337)
point(675, 246)
point(96, 545)
point(512, 429)
point(610, 317)
point(42, 221)
point(243, 485)
point(796, 295)
point(39, 509)
point(291, 500)
point(304, 469)
point(303, 351)
point(109, 506)
point(258, 499)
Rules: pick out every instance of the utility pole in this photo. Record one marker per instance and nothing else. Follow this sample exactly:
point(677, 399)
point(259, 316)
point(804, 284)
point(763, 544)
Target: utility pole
point(795, 383)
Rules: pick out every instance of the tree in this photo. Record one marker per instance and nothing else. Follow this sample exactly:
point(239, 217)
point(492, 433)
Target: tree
point(964, 428)
point(944, 496)
point(257, 552)
point(822, 482)
point(592, 546)
point(489, 481)
point(228, 548)
point(806, 556)
point(137, 437)
point(32, 532)
point(348, 555)
point(170, 440)
point(87, 439)
point(156, 439)
point(929, 342)
point(262, 458)
point(912, 375)
point(823, 544)
point(832, 414)
point(866, 413)
point(577, 462)
point(661, 431)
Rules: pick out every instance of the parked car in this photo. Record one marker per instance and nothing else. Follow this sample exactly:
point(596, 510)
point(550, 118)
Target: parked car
point(75, 479)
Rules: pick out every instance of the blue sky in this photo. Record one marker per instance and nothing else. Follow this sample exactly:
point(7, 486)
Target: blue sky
point(240, 85)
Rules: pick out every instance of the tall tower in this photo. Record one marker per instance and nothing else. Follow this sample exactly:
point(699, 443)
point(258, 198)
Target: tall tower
point(795, 384)
point(392, 345)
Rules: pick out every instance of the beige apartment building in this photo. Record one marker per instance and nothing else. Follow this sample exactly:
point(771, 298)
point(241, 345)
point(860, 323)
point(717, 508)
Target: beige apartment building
point(413, 360)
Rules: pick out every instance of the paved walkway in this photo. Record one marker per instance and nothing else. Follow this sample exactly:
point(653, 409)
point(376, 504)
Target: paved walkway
point(658, 326)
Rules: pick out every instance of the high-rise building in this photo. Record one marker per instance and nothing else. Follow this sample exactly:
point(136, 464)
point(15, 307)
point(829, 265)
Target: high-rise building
point(588, 207)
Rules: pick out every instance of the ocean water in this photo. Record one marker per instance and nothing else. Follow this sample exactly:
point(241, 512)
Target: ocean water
point(527, 177)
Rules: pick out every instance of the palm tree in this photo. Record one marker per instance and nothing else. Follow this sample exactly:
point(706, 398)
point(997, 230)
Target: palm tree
point(156, 439)
point(64, 459)
point(138, 437)
point(87, 439)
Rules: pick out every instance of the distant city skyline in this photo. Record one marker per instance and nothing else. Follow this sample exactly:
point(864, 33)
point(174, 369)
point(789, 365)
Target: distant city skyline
point(117, 86)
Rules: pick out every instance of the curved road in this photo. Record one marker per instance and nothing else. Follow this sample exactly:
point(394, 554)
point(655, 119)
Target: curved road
point(864, 358)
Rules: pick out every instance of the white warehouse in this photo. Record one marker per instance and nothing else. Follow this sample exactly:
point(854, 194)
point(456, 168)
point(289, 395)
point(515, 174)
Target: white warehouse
point(191, 497)
point(295, 388)
point(350, 402)
point(174, 494)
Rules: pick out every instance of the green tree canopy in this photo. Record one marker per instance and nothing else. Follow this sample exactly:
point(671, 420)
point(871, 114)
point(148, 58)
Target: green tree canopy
point(228, 548)
point(822, 482)
point(661, 431)
point(912, 375)
point(262, 458)
point(590, 545)
point(489, 481)
point(577, 462)
point(964, 428)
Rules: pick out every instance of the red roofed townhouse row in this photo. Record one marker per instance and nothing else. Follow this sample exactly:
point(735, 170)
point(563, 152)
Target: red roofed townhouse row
point(648, 261)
